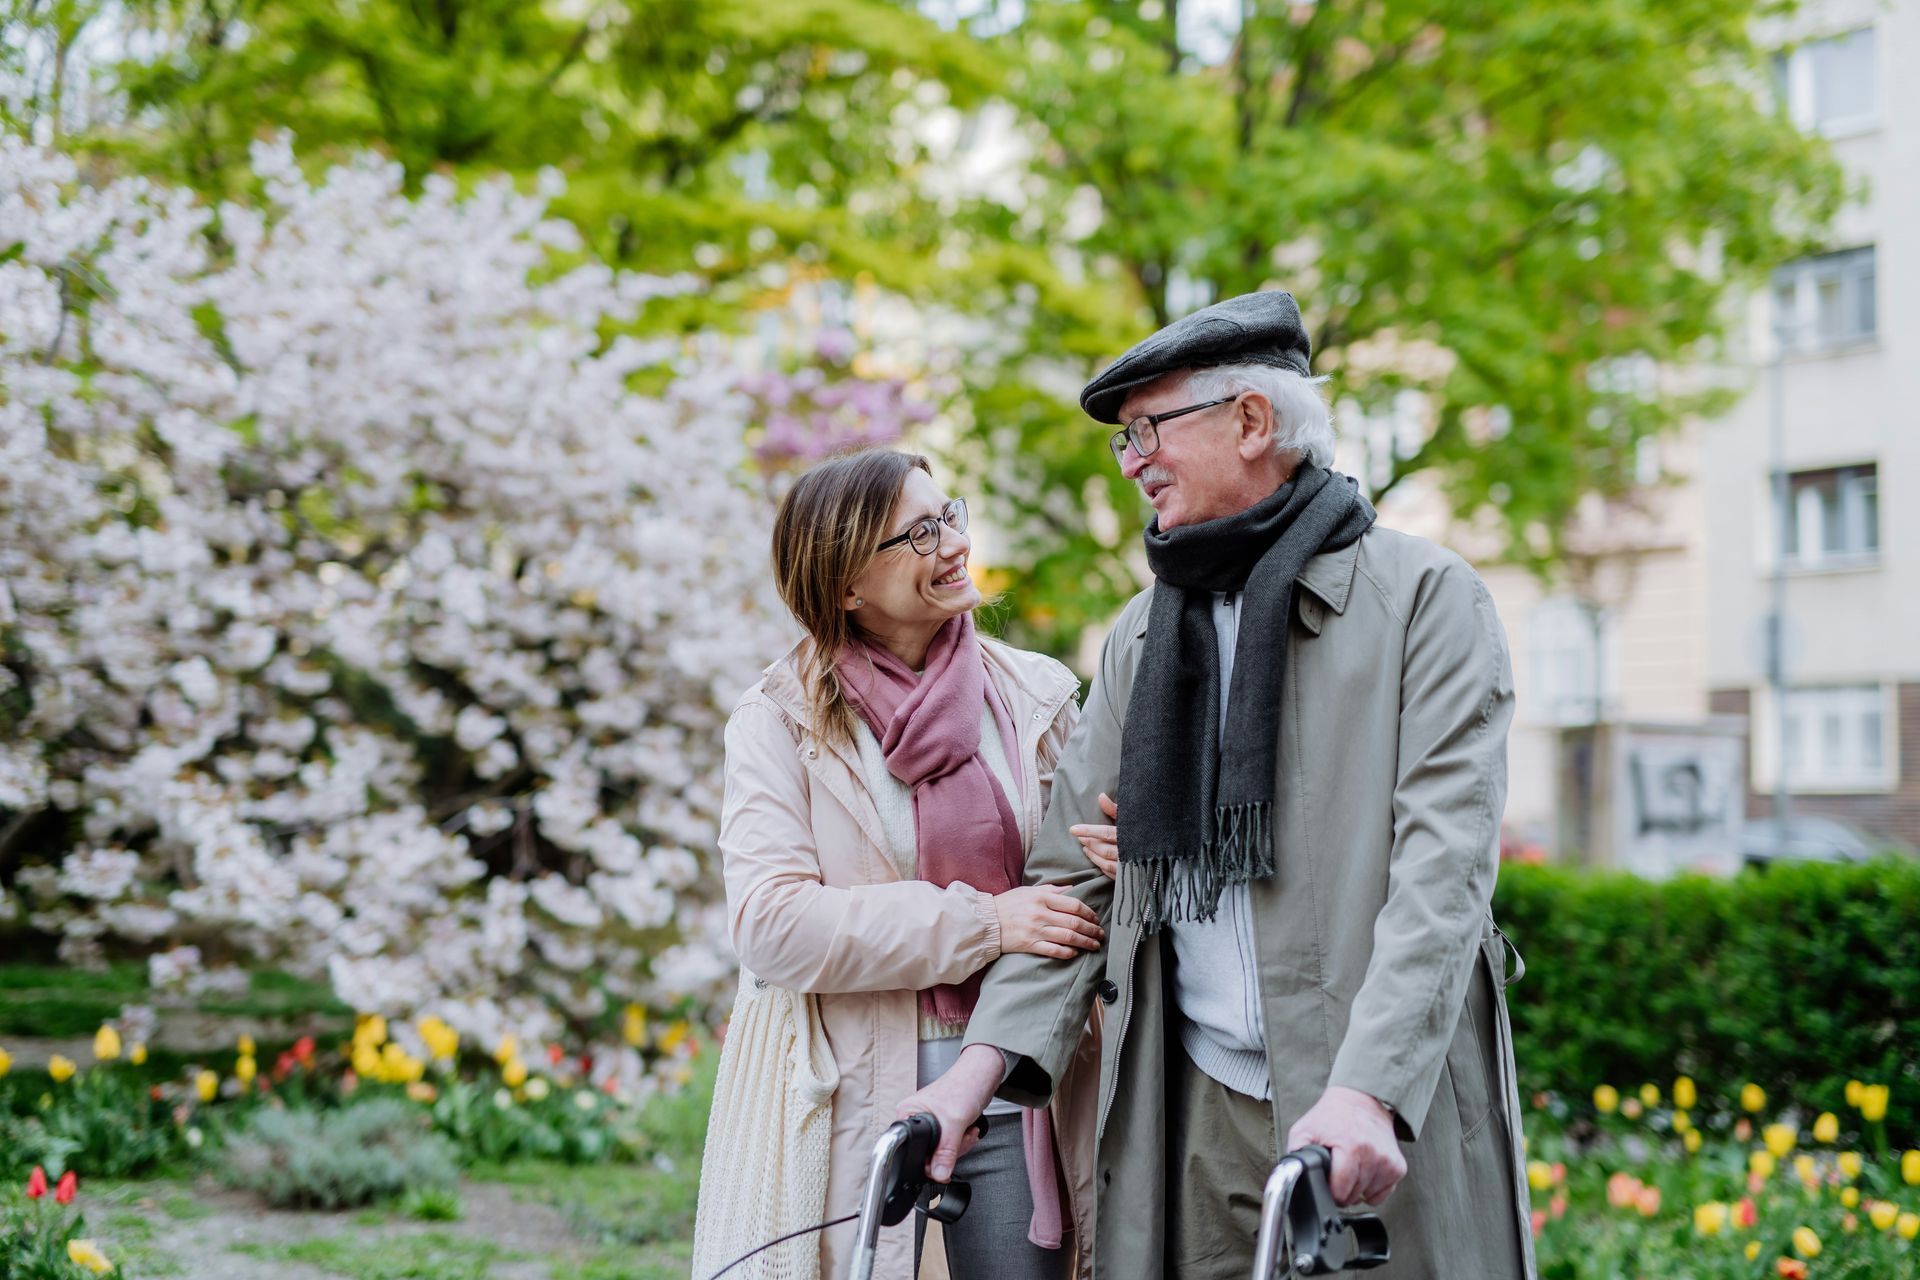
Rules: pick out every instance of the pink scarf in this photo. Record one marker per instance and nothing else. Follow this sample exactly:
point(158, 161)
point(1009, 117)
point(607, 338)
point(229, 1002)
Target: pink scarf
point(963, 822)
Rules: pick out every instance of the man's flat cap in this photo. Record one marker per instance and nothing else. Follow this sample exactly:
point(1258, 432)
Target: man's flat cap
point(1254, 328)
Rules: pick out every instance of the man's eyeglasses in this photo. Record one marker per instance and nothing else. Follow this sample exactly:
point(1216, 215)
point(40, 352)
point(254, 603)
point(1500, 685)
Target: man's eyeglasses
point(923, 535)
point(1143, 433)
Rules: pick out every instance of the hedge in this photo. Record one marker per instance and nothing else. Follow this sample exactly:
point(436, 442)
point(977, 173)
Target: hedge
point(1798, 978)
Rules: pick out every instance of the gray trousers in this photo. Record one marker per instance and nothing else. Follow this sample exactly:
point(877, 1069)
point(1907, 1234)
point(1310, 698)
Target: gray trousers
point(990, 1240)
point(1219, 1153)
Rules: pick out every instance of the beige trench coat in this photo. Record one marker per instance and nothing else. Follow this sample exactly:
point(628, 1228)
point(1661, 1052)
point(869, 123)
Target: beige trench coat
point(1379, 966)
point(814, 904)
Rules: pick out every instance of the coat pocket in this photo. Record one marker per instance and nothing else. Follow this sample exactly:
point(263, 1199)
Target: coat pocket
point(1467, 1061)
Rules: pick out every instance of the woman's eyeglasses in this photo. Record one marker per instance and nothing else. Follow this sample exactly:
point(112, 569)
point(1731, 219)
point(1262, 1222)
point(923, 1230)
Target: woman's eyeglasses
point(923, 535)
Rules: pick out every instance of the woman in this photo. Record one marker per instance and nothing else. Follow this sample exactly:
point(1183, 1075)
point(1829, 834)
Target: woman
point(884, 782)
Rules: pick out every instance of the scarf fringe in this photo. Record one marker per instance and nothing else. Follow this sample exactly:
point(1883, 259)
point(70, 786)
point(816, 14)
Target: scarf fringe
point(1185, 885)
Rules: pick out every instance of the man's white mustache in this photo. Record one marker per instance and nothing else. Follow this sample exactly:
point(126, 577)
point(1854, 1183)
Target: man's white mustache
point(1151, 474)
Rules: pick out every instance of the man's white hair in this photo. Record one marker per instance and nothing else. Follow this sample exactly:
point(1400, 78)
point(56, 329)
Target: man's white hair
point(1303, 424)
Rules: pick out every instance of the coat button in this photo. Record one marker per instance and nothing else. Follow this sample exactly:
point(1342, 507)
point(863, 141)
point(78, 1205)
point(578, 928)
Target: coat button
point(811, 753)
point(1107, 991)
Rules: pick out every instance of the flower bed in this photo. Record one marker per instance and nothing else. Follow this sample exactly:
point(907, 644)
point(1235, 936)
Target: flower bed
point(1690, 1183)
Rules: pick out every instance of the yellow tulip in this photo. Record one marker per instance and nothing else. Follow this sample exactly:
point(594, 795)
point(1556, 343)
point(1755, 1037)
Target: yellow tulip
point(397, 1066)
point(1909, 1168)
point(1850, 1197)
point(1682, 1122)
point(442, 1041)
point(1753, 1098)
point(1806, 1170)
point(138, 1054)
point(61, 1069)
point(633, 1027)
point(1709, 1218)
point(245, 1045)
point(1883, 1214)
point(207, 1085)
point(675, 1035)
point(1853, 1092)
point(370, 1029)
point(1760, 1163)
point(1873, 1103)
point(1850, 1164)
point(106, 1044)
point(514, 1073)
point(1691, 1140)
point(1908, 1225)
point(507, 1050)
point(1606, 1099)
point(6, 1063)
point(1827, 1127)
point(85, 1253)
point(1779, 1139)
point(366, 1061)
point(1650, 1095)
point(245, 1069)
point(1805, 1242)
point(1539, 1175)
point(1752, 1250)
point(1684, 1094)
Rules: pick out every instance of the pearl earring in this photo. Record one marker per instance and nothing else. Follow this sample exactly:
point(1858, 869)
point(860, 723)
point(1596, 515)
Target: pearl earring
point(858, 603)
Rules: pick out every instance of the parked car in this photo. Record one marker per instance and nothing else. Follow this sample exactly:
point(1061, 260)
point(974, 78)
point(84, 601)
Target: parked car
point(1806, 838)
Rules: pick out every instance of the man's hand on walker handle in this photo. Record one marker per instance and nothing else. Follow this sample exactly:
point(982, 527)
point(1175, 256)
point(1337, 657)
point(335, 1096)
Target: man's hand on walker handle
point(956, 1100)
point(1358, 1130)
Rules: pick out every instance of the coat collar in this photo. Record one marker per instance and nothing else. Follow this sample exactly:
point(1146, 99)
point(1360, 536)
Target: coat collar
point(1328, 581)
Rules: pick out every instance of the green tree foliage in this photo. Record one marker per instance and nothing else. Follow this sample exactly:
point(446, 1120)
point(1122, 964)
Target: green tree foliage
point(1516, 210)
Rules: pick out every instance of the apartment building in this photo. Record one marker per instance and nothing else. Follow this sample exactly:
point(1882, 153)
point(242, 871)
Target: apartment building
point(1835, 402)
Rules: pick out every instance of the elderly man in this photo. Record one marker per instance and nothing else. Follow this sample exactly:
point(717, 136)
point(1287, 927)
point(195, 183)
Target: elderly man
point(1304, 723)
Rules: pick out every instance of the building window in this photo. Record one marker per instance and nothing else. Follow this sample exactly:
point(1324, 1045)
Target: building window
point(1830, 86)
point(1836, 738)
point(1833, 517)
point(1570, 644)
point(1825, 301)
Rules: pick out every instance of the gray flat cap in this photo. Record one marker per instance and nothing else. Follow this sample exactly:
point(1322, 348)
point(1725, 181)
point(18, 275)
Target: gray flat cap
point(1254, 328)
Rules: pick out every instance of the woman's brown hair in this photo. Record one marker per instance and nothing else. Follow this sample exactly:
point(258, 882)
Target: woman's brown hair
point(823, 539)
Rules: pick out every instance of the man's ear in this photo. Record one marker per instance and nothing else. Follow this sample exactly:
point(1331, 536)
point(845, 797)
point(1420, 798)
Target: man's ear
point(1257, 425)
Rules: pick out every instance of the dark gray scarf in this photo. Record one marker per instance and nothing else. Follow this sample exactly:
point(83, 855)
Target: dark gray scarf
point(1194, 817)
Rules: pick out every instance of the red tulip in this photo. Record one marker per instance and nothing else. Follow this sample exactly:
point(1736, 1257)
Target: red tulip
point(64, 1192)
point(36, 1183)
point(154, 1093)
point(586, 1064)
point(283, 1066)
point(303, 1050)
point(555, 1053)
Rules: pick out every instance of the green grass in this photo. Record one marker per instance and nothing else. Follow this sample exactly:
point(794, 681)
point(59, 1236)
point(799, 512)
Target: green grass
point(610, 1204)
point(58, 1001)
point(436, 1255)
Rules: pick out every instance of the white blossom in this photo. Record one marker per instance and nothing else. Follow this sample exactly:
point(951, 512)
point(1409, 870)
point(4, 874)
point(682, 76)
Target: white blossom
point(371, 623)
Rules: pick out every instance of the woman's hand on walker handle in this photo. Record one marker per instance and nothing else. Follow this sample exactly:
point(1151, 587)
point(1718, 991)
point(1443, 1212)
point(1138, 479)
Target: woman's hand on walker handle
point(1043, 921)
point(1101, 844)
point(1367, 1161)
point(956, 1100)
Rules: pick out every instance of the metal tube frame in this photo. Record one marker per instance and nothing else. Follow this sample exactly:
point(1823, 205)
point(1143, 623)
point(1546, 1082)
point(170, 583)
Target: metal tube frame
point(1269, 1247)
point(867, 1233)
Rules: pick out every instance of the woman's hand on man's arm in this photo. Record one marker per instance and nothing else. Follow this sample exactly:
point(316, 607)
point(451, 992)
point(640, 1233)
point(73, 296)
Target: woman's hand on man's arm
point(1101, 844)
point(1044, 921)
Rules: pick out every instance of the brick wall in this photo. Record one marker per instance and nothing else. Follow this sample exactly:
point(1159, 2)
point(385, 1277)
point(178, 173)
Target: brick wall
point(1893, 813)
